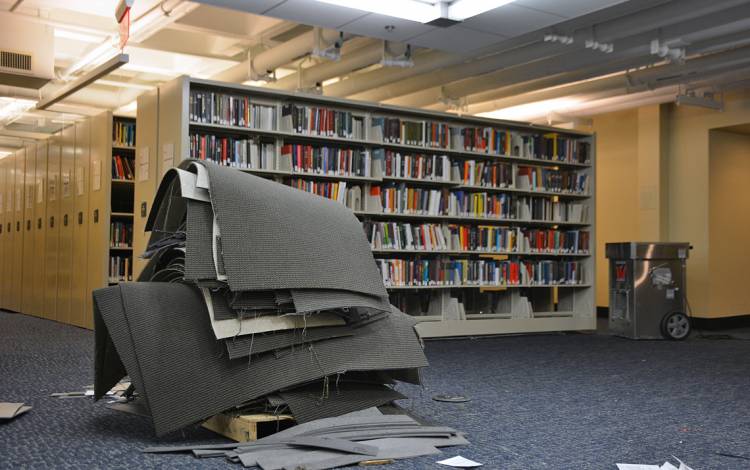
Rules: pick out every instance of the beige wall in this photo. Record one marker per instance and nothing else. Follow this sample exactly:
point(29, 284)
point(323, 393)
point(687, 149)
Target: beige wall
point(729, 225)
point(616, 187)
point(680, 193)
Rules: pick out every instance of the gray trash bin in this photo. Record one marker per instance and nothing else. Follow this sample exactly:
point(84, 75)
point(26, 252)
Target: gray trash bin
point(647, 290)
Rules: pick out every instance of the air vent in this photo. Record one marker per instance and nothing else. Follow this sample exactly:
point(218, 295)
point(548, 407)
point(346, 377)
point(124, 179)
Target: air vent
point(14, 60)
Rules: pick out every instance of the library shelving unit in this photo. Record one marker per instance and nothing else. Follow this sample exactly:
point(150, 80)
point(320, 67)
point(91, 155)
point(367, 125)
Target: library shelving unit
point(58, 198)
point(122, 189)
point(479, 226)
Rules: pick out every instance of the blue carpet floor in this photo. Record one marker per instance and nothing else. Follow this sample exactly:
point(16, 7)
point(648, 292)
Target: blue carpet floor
point(538, 402)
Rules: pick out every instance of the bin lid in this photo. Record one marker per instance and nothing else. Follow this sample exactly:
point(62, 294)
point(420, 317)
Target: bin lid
point(647, 250)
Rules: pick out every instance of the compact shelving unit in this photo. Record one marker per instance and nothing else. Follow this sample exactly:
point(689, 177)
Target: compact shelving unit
point(479, 291)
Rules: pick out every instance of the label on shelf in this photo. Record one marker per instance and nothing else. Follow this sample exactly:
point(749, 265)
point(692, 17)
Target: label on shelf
point(96, 175)
point(39, 190)
point(80, 180)
point(167, 157)
point(143, 164)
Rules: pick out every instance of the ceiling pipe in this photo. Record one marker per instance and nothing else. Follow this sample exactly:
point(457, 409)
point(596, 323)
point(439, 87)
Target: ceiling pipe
point(350, 60)
point(650, 77)
point(637, 45)
point(424, 62)
point(626, 33)
point(590, 105)
point(269, 60)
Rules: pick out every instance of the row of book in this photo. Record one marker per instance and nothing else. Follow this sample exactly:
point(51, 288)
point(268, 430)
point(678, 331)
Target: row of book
point(120, 268)
point(532, 178)
point(329, 160)
point(243, 152)
point(355, 197)
point(123, 168)
point(313, 120)
point(491, 239)
point(235, 110)
point(483, 173)
point(472, 272)
point(400, 199)
point(397, 131)
point(208, 107)
point(550, 146)
point(121, 234)
point(237, 152)
point(123, 134)
point(417, 166)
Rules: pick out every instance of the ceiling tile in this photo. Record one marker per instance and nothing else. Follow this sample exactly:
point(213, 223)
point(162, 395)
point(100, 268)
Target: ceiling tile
point(568, 8)
point(511, 20)
point(315, 13)
point(456, 39)
point(373, 25)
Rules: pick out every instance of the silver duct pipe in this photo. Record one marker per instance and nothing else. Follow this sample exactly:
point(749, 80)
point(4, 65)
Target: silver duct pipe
point(275, 57)
point(350, 60)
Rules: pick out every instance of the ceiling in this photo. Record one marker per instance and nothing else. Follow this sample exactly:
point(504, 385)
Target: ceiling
point(546, 61)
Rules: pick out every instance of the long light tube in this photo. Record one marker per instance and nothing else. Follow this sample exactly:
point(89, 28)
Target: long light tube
point(422, 11)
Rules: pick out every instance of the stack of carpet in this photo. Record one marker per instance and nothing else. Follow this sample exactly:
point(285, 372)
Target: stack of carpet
point(255, 297)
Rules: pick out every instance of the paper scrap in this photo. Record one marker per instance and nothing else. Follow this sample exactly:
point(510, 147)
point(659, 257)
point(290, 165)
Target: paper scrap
point(667, 466)
point(636, 466)
point(461, 462)
point(683, 466)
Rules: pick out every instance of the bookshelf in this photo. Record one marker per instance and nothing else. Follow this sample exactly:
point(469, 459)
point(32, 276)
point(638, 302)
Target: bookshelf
point(120, 260)
point(479, 226)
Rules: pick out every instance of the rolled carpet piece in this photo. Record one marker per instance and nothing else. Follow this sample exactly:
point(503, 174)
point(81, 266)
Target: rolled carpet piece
point(186, 375)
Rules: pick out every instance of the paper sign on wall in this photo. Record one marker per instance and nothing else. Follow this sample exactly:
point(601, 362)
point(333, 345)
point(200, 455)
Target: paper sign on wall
point(80, 181)
point(52, 188)
point(96, 175)
point(39, 190)
point(167, 157)
point(143, 164)
point(66, 183)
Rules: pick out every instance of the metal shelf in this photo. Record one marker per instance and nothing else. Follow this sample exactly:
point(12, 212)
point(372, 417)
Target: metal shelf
point(484, 220)
point(477, 252)
point(491, 286)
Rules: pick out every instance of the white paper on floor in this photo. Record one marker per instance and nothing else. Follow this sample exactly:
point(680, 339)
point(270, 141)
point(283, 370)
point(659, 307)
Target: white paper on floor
point(665, 466)
point(460, 462)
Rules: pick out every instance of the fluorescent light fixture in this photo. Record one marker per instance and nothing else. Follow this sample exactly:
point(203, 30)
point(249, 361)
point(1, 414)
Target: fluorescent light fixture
point(413, 10)
point(128, 109)
point(12, 108)
point(97, 55)
point(118, 84)
point(83, 81)
point(77, 36)
point(422, 11)
point(462, 9)
point(531, 111)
